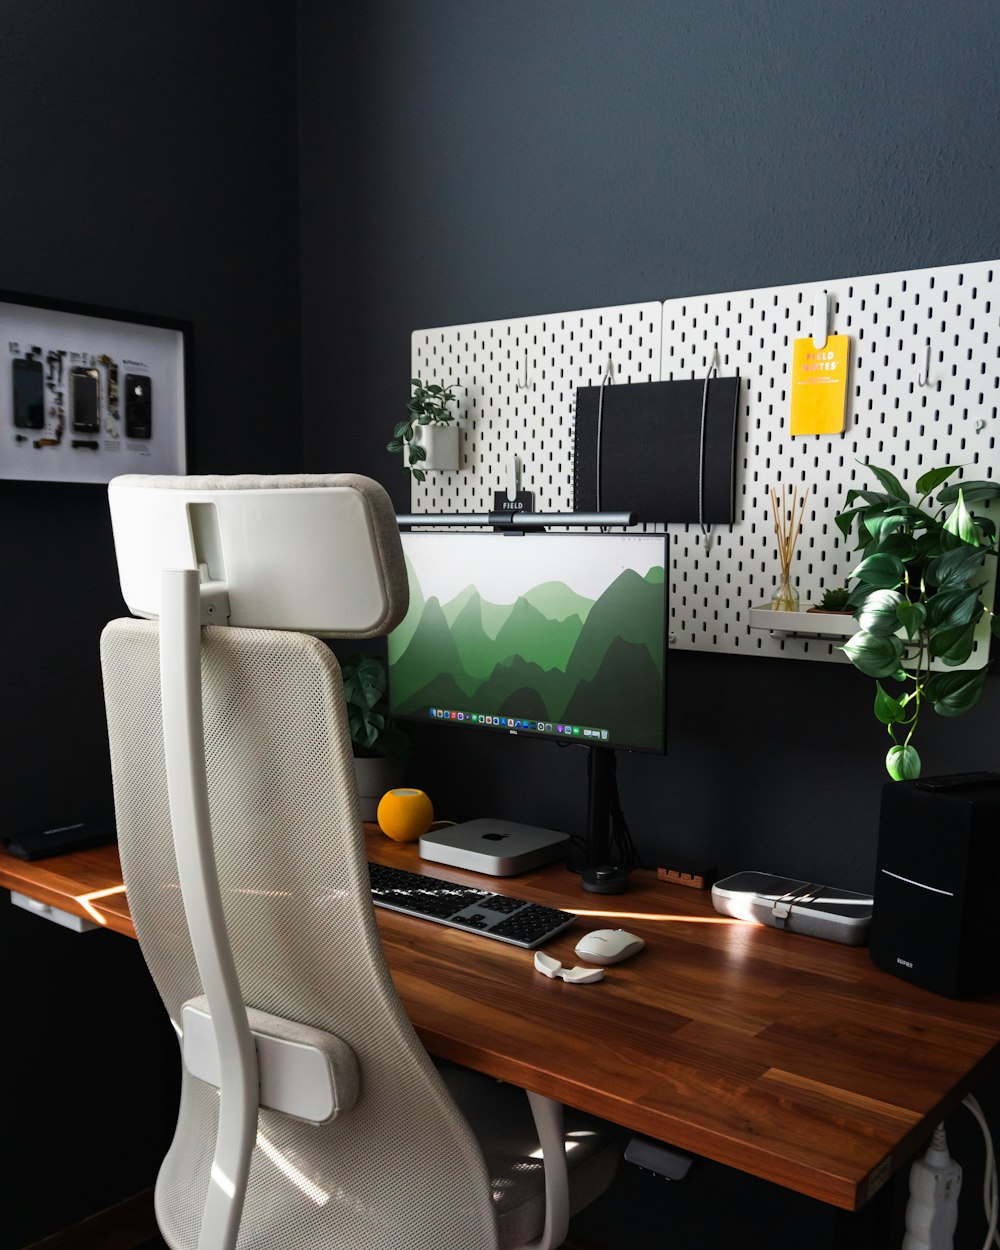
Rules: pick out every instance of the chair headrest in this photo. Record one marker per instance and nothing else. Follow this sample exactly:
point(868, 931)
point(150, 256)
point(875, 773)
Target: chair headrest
point(317, 553)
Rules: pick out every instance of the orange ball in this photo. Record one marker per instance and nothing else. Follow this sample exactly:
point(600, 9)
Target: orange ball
point(404, 815)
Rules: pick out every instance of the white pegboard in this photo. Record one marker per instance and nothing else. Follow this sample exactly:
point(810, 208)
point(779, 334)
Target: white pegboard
point(892, 421)
point(517, 381)
point(516, 386)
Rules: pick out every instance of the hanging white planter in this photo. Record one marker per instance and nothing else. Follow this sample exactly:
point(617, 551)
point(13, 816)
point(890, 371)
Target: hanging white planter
point(440, 442)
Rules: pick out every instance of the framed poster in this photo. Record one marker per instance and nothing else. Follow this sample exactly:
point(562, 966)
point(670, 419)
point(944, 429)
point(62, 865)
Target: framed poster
point(89, 393)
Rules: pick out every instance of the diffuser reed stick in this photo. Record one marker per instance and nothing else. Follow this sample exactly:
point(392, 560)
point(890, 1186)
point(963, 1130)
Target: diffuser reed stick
point(787, 525)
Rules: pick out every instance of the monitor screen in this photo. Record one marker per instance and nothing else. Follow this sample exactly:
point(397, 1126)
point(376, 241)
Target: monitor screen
point(554, 636)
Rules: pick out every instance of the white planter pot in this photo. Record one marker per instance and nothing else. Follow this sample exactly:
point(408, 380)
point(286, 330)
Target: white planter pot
point(375, 776)
point(441, 443)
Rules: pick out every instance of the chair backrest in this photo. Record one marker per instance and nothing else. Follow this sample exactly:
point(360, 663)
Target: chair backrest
point(401, 1169)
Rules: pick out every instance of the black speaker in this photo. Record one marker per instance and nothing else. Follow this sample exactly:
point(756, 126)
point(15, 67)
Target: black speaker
point(936, 920)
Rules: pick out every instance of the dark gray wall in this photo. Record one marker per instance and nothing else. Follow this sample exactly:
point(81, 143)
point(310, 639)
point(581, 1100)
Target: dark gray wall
point(511, 158)
point(149, 163)
point(496, 159)
point(148, 157)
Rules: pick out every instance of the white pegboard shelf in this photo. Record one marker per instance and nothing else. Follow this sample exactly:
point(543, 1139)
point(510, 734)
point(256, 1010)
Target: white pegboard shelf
point(517, 383)
point(803, 623)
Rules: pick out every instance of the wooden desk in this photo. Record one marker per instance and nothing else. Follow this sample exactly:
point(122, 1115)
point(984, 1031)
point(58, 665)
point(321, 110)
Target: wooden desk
point(787, 1057)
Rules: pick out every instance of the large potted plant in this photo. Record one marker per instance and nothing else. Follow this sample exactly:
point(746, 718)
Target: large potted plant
point(919, 598)
point(428, 437)
point(379, 745)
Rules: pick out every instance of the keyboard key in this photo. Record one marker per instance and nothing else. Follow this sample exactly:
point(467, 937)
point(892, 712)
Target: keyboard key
point(500, 916)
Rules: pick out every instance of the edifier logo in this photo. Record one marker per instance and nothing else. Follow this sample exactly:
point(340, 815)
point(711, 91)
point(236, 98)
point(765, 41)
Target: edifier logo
point(905, 962)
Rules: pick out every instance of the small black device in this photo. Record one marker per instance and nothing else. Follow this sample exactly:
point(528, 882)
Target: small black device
point(138, 406)
point(60, 839)
point(85, 392)
point(605, 879)
point(29, 393)
point(935, 920)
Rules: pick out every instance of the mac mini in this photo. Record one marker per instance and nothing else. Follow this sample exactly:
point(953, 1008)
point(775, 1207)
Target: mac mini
point(499, 848)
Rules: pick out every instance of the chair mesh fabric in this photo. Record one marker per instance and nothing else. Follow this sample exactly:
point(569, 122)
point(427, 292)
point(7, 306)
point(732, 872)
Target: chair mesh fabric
point(500, 1116)
point(402, 1170)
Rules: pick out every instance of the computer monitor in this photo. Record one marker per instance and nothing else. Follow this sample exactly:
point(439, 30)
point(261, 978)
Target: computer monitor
point(560, 637)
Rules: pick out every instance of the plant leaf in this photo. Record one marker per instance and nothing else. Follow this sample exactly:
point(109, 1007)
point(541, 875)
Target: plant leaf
point(955, 693)
point(880, 524)
point(881, 570)
point(417, 453)
point(901, 545)
point(954, 607)
point(890, 482)
point(902, 763)
point(419, 474)
point(877, 614)
point(961, 524)
point(844, 520)
point(876, 498)
point(972, 492)
point(912, 616)
point(395, 444)
point(929, 543)
point(954, 644)
point(402, 427)
point(887, 709)
point(934, 477)
point(953, 569)
point(858, 596)
point(872, 655)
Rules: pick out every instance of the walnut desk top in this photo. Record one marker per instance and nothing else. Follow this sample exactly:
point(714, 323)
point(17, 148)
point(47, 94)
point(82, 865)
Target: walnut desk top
point(784, 1056)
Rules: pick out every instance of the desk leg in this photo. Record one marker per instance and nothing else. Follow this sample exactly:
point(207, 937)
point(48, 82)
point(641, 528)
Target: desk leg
point(867, 1229)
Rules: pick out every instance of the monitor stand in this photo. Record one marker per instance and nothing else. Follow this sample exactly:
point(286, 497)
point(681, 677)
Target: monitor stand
point(606, 840)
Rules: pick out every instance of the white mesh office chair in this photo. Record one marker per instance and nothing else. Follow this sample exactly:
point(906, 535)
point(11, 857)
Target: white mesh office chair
point(311, 1118)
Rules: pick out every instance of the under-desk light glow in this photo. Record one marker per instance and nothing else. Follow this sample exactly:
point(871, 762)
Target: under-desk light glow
point(659, 917)
point(85, 901)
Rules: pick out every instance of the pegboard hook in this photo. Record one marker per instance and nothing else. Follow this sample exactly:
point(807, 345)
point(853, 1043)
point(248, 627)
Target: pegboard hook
point(821, 321)
point(525, 384)
point(513, 478)
point(924, 379)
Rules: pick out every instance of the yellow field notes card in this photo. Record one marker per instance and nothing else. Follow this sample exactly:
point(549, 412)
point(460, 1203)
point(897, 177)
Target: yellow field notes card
point(819, 385)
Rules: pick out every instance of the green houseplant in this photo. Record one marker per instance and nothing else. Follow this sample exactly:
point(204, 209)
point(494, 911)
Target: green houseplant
point(918, 598)
point(366, 695)
point(835, 599)
point(379, 745)
point(429, 406)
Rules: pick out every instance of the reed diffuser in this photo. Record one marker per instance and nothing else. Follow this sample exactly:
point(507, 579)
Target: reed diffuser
point(787, 524)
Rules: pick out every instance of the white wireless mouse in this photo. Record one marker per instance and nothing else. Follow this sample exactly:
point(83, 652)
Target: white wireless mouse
point(608, 946)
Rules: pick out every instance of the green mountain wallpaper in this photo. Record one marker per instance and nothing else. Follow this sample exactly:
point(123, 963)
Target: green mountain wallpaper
point(550, 656)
